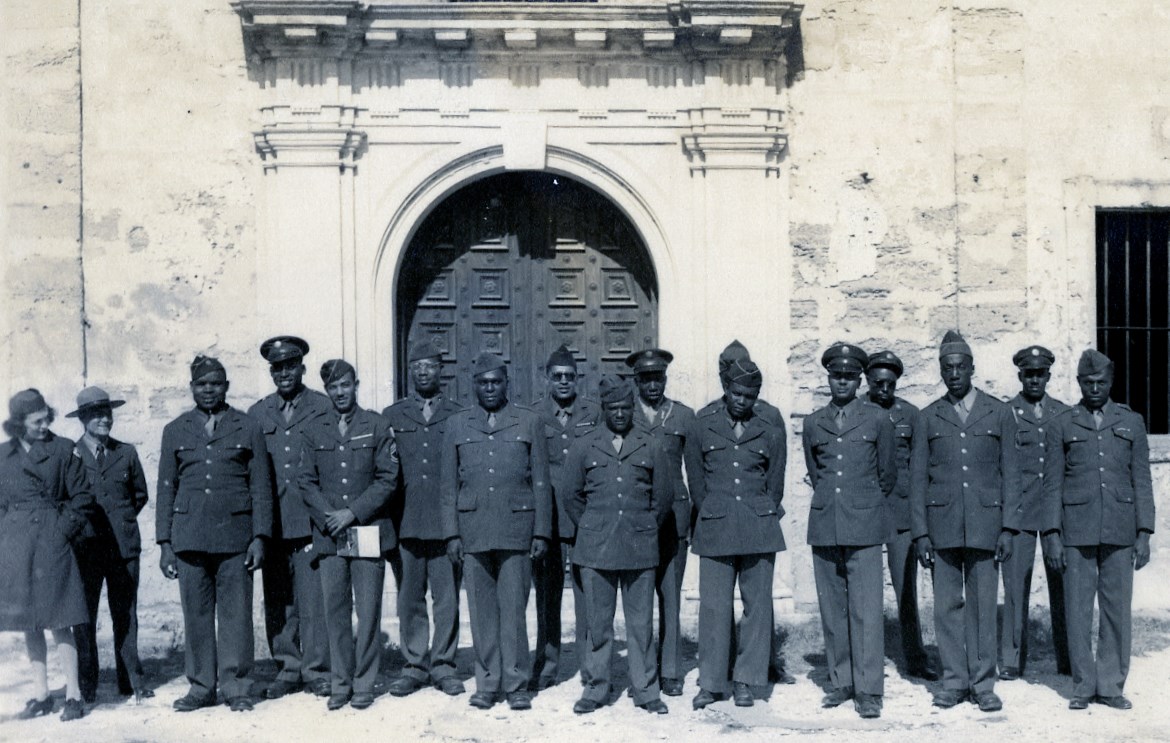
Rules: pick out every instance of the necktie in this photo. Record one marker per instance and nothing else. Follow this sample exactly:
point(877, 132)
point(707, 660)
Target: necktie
point(738, 428)
point(563, 417)
point(287, 410)
point(342, 425)
point(491, 420)
point(961, 410)
point(100, 454)
point(209, 426)
point(839, 417)
point(1099, 417)
point(617, 443)
point(427, 410)
point(1038, 410)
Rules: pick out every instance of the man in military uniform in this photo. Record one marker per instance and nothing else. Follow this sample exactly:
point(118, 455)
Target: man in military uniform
point(1034, 411)
point(1098, 518)
point(882, 374)
point(213, 516)
point(111, 550)
point(618, 490)
point(419, 421)
point(566, 417)
point(670, 423)
point(496, 506)
point(293, 611)
point(348, 471)
point(849, 452)
point(735, 460)
point(964, 508)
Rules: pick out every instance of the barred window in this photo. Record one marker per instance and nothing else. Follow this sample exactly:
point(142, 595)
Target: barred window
point(1133, 308)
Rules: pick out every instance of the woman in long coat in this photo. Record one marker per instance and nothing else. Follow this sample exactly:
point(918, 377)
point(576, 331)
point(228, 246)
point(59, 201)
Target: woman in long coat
point(44, 495)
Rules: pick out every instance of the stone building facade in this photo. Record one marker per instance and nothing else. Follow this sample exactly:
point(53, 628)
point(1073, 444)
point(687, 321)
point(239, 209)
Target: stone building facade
point(197, 176)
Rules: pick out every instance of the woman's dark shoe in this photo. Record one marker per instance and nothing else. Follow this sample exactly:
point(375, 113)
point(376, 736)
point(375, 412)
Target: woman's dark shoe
point(35, 708)
point(73, 710)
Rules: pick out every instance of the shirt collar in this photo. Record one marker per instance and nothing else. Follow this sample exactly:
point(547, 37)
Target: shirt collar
point(967, 401)
point(92, 443)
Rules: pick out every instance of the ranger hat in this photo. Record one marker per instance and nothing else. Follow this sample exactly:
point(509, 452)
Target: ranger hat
point(92, 398)
point(1034, 357)
point(885, 360)
point(1093, 362)
point(844, 357)
point(648, 360)
point(487, 362)
point(420, 350)
point(952, 342)
point(561, 357)
point(202, 365)
point(334, 369)
point(283, 347)
point(613, 388)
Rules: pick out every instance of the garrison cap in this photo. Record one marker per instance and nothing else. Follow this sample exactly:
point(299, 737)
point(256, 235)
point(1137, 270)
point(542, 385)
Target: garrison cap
point(745, 372)
point(561, 357)
point(735, 351)
point(844, 357)
point(648, 360)
point(25, 402)
point(420, 350)
point(885, 360)
point(613, 388)
point(953, 342)
point(1034, 357)
point(335, 369)
point(202, 365)
point(487, 362)
point(284, 347)
point(1093, 362)
point(92, 398)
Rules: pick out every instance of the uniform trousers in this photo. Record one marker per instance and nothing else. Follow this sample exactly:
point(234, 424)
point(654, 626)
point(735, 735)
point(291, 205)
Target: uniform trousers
point(1017, 590)
point(349, 584)
point(216, 593)
point(717, 578)
point(425, 565)
point(637, 586)
point(903, 566)
point(497, 584)
point(849, 592)
point(668, 581)
point(1105, 573)
point(548, 578)
point(966, 584)
point(103, 564)
point(294, 611)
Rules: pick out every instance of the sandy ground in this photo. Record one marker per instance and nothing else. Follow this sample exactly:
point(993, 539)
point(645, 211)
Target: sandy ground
point(1035, 708)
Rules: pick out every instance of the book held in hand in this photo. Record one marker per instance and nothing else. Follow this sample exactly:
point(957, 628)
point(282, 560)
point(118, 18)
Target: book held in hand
point(360, 541)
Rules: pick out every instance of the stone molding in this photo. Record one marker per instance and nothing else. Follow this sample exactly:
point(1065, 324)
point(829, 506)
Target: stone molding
point(309, 148)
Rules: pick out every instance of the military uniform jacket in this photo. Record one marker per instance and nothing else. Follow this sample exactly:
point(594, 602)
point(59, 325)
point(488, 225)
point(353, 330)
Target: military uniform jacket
point(420, 454)
point(119, 489)
point(736, 485)
point(672, 427)
point(495, 492)
point(586, 418)
point(617, 500)
point(355, 470)
point(283, 438)
point(1032, 450)
point(964, 477)
point(1097, 485)
point(903, 417)
point(214, 493)
point(852, 472)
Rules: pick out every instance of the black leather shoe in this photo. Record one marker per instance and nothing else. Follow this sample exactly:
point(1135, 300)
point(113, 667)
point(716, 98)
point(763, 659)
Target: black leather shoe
point(655, 707)
point(483, 699)
point(1117, 702)
point(337, 701)
point(988, 701)
point(73, 710)
point(1007, 673)
point(319, 687)
point(672, 687)
point(868, 706)
point(240, 704)
point(280, 688)
point(404, 686)
point(519, 700)
point(1078, 703)
point(947, 698)
point(585, 706)
point(35, 708)
point(742, 695)
point(923, 671)
point(451, 686)
point(703, 698)
point(361, 700)
point(191, 702)
point(837, 697)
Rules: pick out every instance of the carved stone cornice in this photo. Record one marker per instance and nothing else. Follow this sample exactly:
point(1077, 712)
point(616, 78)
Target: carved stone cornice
point(309, 148)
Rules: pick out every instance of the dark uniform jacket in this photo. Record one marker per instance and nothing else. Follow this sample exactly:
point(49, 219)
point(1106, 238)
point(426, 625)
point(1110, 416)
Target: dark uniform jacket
point(1097, 484)
point(119, 489)
point(214, 494)
point(355, 470)
point(284, 451)
point(904, 418)
point(852, 471)
point(671, 428)
point(586, 418)
point(736, 485)
point(495, 492)
point(51, 477)
point(420, 454)
point(1032, 450)
point(965, 477)
point(617, 500)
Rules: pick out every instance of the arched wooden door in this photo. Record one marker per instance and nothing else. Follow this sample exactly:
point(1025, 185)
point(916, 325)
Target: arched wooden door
point(517, 264)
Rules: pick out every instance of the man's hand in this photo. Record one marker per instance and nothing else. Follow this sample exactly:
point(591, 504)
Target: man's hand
point(338, 521)
point(924, 550)
point(1141, 550)
point(539, 548)
point(255, 555)
point(1003, 546)
point(1053, 551)
point(455, 550)
point(167, 562)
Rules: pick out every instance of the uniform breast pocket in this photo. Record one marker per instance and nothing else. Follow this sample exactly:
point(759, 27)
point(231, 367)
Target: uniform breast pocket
point(1076, 449)
point(713, 451)
point(1123, 439)
point(941, 447)
point(237, 452)
point(363, 453)
point(1026, 438)
point(986, 444)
